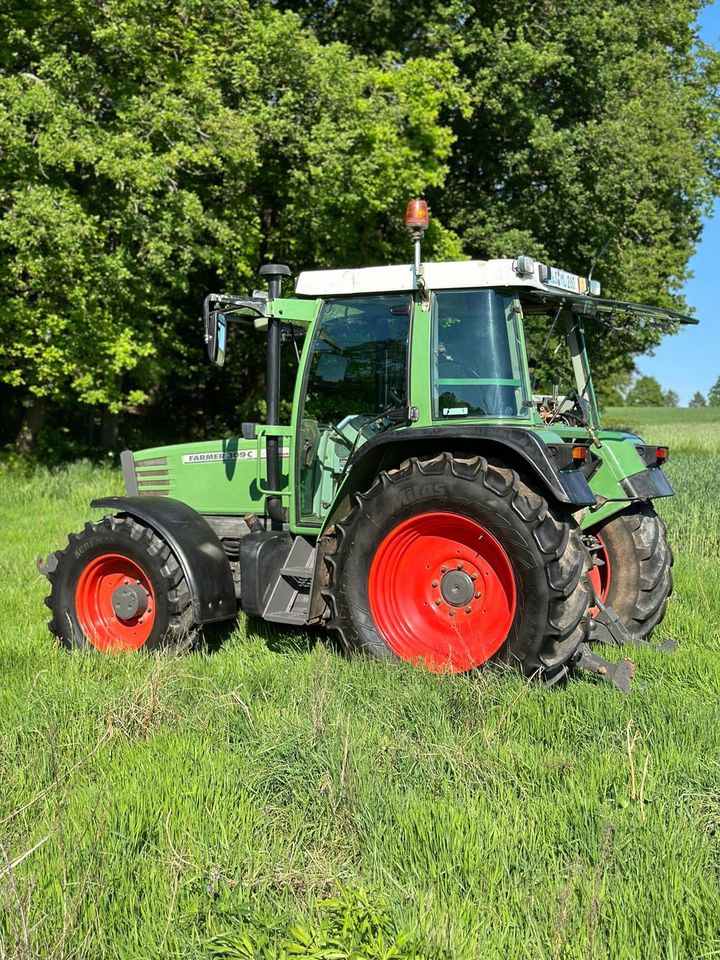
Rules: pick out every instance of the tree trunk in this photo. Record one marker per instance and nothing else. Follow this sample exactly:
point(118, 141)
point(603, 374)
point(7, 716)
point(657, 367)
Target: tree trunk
point(109, 430)
point(34, 419)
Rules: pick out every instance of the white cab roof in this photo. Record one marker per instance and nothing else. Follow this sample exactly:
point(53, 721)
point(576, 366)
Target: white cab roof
point(400, 278)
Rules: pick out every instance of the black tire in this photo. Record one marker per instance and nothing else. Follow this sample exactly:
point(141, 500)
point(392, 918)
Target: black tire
point(542, 540)
point(172, 628)
point(640, 562)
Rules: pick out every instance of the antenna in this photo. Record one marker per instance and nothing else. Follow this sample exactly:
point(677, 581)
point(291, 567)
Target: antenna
point(598, 256)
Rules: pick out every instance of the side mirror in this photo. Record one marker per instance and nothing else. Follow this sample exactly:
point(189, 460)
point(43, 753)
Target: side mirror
point(235, 309)
point(215, 333)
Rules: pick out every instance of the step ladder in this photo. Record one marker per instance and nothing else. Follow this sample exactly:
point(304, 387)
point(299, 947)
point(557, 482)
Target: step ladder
point(289, 599)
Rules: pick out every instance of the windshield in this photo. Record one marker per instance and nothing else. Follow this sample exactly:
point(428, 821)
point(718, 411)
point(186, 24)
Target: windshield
point(477, 366)
point(559, 372)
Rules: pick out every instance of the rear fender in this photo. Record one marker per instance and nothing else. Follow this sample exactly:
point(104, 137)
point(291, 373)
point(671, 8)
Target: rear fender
point(628, 471)
point(518, 448)
point(196, 546)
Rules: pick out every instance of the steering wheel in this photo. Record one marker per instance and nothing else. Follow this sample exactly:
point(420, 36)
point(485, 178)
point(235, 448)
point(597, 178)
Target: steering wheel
point(445, 361)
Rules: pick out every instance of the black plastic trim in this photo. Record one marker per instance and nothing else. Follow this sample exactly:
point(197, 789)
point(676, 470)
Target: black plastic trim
point(262, 557)
point(648, 453)
point(566, 486)
point(562, 457)
point(196, 546)
point(591, 466)
point(127, 465)
point(647, 485)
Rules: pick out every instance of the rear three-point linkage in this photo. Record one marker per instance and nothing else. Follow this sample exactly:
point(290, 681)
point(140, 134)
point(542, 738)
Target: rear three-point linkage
point(607, 628)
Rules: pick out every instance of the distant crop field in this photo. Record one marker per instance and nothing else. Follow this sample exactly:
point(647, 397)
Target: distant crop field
point(265, 798)
point(685, 430)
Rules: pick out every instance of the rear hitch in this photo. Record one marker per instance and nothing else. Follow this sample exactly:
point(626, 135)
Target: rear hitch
point(618, 674)
point(607, 627)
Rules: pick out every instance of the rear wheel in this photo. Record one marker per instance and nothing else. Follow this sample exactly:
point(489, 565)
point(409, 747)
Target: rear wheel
point(118, 587)
point(633, 568)
point(451, 562)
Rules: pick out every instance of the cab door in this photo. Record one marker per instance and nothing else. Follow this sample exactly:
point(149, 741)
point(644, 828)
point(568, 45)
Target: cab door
point(356, 371)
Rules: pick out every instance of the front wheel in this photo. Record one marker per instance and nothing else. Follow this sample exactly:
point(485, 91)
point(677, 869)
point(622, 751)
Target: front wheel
point(451, 562)
point(633, 567)
point(117, 587)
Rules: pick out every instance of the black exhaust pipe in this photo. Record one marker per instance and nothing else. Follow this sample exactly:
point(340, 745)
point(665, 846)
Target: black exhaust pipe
point(274, 508)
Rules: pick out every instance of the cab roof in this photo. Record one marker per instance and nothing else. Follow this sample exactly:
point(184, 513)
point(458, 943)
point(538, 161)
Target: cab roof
point(400, 278)
point(557, 287)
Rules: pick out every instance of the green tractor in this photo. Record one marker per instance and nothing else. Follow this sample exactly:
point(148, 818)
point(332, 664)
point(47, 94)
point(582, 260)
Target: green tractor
point(437, 496)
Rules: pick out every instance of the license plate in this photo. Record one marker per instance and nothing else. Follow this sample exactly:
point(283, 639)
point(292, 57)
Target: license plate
point(563, 280)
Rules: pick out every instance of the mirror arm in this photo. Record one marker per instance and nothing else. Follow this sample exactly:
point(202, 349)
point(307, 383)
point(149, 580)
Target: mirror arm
point(255, 305)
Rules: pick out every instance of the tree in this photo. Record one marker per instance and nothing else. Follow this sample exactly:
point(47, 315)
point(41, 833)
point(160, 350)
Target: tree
point(671, 399)
point(611, 390)
point(698, 400)
point(714, 394)
point(152, 153)
point(646, 392)
point(591, 141)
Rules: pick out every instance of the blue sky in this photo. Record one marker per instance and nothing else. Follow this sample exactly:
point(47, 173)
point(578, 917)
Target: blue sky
point(690, 360)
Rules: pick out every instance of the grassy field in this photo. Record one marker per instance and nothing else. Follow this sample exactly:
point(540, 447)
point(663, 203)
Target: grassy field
point(270, 799)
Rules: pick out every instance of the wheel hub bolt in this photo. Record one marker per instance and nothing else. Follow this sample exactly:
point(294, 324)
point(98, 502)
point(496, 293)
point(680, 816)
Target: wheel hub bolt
point(460, 565)
point(473, 576)
point(443, 569)
point(435, 583)
point(437, 602)
point(478, 595)
point(452, 613)
point(468, 609)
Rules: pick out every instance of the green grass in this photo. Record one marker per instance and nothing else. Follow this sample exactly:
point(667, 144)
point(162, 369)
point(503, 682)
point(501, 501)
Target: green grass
point(203, 807)
point(683, 429)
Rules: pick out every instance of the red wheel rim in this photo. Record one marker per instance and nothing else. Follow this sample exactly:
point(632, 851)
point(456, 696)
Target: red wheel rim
point(442, 591)
point(600, 574)
point(98, 619)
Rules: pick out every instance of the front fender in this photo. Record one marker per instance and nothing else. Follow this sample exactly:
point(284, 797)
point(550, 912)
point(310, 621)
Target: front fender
point(196, 546)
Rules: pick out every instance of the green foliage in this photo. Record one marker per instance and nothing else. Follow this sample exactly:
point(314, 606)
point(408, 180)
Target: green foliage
point(612, 389)
point(713, 397)
point(349, 927)
point(646, 392)
point(698, 400)
point(150, 153)
point(671, 399)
